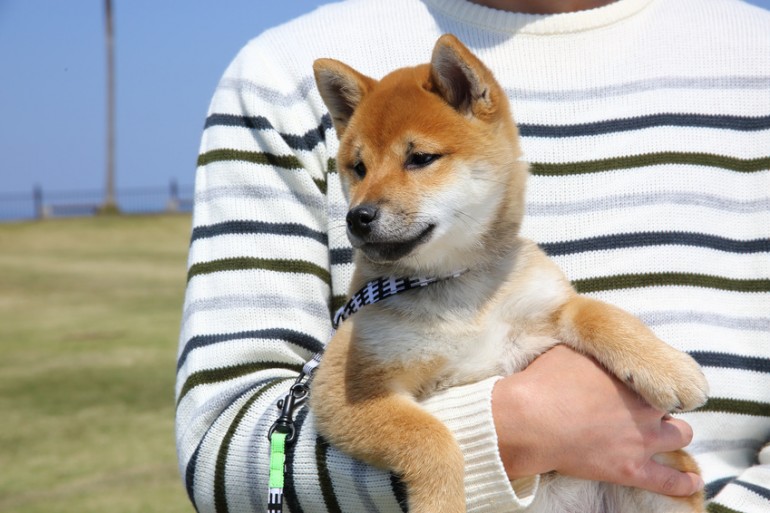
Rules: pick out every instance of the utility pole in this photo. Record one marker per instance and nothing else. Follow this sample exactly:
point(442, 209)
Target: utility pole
point(110, 204)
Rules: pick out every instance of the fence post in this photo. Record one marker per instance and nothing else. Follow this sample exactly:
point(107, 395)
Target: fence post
point(37, 199)
point(173, 198)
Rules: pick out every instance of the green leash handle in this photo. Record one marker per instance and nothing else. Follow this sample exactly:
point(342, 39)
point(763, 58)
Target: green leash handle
point(277, 465)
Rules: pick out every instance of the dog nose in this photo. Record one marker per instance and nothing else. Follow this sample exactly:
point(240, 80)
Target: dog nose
point(361, 218)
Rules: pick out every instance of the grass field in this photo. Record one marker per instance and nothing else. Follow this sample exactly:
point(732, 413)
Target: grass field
point(89, 318)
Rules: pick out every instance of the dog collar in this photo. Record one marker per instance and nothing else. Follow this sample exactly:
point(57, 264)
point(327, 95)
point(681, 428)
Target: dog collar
point(382, 288)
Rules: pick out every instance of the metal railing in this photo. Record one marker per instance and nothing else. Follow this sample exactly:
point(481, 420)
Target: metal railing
point(42, 204)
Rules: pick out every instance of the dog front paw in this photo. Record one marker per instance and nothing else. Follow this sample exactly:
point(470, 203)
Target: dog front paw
point(672, 381)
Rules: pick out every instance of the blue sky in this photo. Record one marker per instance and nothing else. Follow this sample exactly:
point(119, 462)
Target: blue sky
point(169, 57)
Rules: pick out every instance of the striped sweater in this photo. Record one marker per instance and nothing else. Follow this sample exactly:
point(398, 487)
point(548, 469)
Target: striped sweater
point(647, 123)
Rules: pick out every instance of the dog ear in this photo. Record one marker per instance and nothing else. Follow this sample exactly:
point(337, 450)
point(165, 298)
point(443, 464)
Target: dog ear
point(342, 88)
point(462, 79)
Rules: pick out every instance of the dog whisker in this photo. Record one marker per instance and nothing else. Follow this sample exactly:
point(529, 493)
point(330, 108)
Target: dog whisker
point(338, 227)
point(491, 180)
point(468, 219)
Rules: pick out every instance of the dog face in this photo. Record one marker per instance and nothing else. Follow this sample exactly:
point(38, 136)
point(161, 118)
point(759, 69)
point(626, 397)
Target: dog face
point(428, 157)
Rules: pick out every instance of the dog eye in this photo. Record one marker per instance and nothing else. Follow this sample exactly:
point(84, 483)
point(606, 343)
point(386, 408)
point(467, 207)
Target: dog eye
point(420, 160)
point(359, 169)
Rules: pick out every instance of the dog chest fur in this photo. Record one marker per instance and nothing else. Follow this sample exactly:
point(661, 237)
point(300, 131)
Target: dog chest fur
point(487, 322)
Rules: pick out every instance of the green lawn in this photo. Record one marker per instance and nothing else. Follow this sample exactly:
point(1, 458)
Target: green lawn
point(89, 319)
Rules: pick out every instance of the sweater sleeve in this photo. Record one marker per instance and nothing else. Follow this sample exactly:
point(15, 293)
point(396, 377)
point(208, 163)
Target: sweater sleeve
point(748, 492)
point(262, 279)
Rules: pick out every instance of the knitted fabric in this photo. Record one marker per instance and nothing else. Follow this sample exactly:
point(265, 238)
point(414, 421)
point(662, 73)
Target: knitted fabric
point(647, 124)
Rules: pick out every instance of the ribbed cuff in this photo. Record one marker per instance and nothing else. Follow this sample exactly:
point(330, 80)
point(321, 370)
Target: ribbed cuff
point(467, 411)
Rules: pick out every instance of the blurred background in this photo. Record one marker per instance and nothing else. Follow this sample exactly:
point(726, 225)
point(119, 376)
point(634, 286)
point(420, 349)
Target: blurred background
point(90, 305)
point(168, 57)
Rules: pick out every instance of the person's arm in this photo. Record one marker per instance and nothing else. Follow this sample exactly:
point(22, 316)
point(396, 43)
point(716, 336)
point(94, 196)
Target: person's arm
point(257, 298)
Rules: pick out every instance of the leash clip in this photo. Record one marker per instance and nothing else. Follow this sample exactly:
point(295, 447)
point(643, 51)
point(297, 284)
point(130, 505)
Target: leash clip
point(285, 422)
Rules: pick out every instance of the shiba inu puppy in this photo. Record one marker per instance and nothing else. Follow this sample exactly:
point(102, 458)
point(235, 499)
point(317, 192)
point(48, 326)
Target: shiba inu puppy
point(430, 162)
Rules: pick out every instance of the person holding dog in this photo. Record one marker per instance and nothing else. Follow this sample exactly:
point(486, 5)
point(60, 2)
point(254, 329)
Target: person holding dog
point(647, 126)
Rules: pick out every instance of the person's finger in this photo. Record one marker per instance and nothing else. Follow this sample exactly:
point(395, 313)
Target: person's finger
point(674, 434)
point(668, 481)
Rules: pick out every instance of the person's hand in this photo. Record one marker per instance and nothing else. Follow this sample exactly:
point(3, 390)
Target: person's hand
point(566, 413)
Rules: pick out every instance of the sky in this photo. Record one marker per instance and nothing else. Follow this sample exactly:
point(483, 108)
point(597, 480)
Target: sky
point(169, 56)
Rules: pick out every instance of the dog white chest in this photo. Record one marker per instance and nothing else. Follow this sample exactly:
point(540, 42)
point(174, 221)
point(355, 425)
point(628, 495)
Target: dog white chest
point(475, 334)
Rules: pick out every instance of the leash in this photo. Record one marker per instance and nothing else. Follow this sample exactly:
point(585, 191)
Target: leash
point(283, 431)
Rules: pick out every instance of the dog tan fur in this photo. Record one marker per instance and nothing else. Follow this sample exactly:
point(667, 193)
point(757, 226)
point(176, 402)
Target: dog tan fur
point(430, 162)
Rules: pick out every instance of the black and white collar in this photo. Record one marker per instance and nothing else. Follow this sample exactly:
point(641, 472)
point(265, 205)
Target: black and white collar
point(382, 288)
